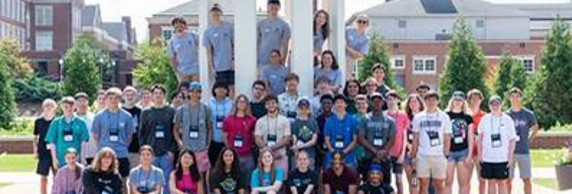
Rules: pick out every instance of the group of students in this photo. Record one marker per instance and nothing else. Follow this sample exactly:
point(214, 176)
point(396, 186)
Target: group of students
point(273, 40)
point(350, 141)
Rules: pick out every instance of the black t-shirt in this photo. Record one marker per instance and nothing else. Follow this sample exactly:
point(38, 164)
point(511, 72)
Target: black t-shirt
point(157, 129)
point(301, 180)
point(460, 130)
point(227, 184)
point(41, 126)
point(97, 182)
point(380, 189)
point(136, 114)
point(258, 109)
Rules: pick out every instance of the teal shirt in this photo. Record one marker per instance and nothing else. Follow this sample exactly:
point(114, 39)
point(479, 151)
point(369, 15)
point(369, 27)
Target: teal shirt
point(65, 135)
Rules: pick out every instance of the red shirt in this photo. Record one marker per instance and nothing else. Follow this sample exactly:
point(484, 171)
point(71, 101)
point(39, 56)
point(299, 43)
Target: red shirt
point(401, 124)
point(240, 127)
point(477, 118)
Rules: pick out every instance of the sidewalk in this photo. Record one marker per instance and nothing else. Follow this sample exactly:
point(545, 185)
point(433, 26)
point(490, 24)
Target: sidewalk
point(29, 183)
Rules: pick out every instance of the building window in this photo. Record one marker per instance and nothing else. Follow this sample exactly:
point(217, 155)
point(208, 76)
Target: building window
point(398, 62)
point(528, 63)
point(44, 40)
point(44, 15)
point(42, 68)
point(480, 23)
point(424, 65)
point(167, 33)
point(402, 23)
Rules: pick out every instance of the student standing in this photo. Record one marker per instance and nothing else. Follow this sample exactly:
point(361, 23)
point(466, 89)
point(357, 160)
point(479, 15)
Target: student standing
point(431, 144)
point(351, 90)
point(497, 139)
point(526, 129)
point(257, 105)
point(341, 134)
point(321, 31)
point(287, 101)
point(130, 99)
point(329, 68)
point(218, 40)
point(357, 43)
point(89, 149)
point(194, 120)
point(41, 151)
point(272, 33)
point(398, 150)
point(274, 74)
point(475, 98)
point(220, 105)
point(323, 87)
point(66, 132)
point(102, 176)
point(378, 73)
point(157, 131)
point(238, 132)
point(413, 106)
point(113, 127)
point(304, 134)
point(182, 50)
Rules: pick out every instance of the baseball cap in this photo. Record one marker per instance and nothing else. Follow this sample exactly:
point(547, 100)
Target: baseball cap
point(495, 98)
point(459, 94)
point(377, 95)
point(195, 86)
point(374, 168)
point(303, 102)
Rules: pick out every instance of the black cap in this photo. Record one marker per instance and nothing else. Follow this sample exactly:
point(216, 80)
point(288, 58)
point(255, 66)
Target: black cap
point(377, 95)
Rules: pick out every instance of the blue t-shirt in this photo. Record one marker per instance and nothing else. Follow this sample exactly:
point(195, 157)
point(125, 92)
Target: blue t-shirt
point(146, 181)
point(341, 132)
point(271, 34)
point(335, 76)
point(184, 48)
point(266, 179)
point(523, 121)
point(220, 39)
point(219, 111)
point(276, 78)
point(357, 41)
point(113, 130)
point(318, 39)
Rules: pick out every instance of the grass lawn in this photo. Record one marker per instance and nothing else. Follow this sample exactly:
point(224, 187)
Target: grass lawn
point(17, 163)
point(544, 158)
point(4, 184)
point(546, 182)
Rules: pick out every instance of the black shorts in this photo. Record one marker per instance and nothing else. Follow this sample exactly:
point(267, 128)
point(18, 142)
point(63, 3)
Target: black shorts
point(494, 170)
point(124, 167)
point(44, 165)
point(225, 77)
point(396, 167)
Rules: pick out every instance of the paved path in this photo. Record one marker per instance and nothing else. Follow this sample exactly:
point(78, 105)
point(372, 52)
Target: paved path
point(29, 183)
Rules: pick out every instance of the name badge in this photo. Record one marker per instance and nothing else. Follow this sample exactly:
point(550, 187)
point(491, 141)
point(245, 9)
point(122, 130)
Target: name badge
point(194, 132)
point(159, 134)
point(458, 140)
point(219, 125)
point(378, 142)
point(271, 140)
point(496, 140)
point(339, 144)
point(68, 137)
point(113, 138)
point(434, 138)
point(238, 141)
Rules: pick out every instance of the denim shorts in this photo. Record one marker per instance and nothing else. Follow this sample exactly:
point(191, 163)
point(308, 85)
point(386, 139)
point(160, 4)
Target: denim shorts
point(458, 156)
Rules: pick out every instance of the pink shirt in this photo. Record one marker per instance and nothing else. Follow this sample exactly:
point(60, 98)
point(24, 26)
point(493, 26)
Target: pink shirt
point(187, 185)
point(401, 124)
point(240, 127)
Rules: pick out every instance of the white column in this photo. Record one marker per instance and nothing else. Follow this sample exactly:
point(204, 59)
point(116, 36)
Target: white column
point(337, 37)
point(203, 63)
point(302, 44)
point(245, 45)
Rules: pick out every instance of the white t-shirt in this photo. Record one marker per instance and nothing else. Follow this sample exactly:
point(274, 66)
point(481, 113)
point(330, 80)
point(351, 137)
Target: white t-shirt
point(495, 150)
point(273, 130)
point(431, 128)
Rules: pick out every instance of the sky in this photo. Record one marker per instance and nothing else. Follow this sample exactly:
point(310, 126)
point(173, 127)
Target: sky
point(113, 10)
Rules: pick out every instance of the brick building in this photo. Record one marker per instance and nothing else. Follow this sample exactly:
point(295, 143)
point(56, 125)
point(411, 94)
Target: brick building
point(417, 32)
point(14, 17)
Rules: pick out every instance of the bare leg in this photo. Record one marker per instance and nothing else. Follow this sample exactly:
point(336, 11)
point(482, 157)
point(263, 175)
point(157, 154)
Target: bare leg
point(491, 186)
point(527, 186)
point(399, 183)
point(439, 185)
point(424, 185)
point(502, 188)
point(463, 177)
point(449, 178)
point(43, 184)
point(509, 185)
point(409, 175)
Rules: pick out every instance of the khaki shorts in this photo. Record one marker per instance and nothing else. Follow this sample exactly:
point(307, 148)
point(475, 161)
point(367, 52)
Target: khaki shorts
point(524, 166)
point(431, 166)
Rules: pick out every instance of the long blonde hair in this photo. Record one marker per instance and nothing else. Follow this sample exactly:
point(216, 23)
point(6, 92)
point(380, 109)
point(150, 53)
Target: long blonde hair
point(105, 152)
point(464, 108)
point(261, 168)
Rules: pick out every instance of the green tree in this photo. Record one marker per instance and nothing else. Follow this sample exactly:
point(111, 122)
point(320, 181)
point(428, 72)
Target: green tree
point(81, 67)
point(550, 92)
point(377, 54)
point(518, 76)
point(15, 61)
point(503, 76)
point(153, 66)
point(465, 68)
point(7, 98)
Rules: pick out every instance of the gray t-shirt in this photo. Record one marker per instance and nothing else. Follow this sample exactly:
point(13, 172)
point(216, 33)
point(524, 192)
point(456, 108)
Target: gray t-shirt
point(184, 48)
point(113, 130)
point(523, 121)
point(335, 76)
point(146, 180)
point(275, 76)
point(271, 34)
point(378, 130)
point(357, 41)
point(194, 122)
point(220, 39)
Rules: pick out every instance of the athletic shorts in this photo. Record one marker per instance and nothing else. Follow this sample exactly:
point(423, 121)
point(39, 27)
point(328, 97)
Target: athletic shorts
point(124, 167)
point(431, 166)
point(494, 170)
point(524, 168)
point(458, 156)
point(396, 167)
point(225, 77)
point(44, 165)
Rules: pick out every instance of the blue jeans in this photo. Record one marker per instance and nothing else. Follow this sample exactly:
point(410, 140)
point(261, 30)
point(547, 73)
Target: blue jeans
point(165, 163)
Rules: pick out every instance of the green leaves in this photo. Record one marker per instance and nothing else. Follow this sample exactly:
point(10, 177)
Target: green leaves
point(7, 99)
point(81, 66)
point(153, 66)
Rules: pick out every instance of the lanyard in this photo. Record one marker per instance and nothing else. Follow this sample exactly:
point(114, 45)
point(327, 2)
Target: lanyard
point(147, 180)
point(275, 124)
point(223, 109)
point(116, 121)
point(499, 121)
point(198, 112)
point(342, 125)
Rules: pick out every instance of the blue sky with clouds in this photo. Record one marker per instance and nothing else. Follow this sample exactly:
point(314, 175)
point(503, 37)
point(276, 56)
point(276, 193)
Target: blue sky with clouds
point(112, 10)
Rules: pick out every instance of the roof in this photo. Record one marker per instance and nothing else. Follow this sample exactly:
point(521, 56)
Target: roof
point(89, 14)
point(116, 29)
point(191, 7)
point(441, 7)
point(544, 10)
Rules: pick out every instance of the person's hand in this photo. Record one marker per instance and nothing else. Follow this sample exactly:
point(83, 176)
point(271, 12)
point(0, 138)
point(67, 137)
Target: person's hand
point(469, 159)
point(509, 163)
point(180, 144)
point(55, 163)
point(36, 155)
point(401, 159)
point(294, 148)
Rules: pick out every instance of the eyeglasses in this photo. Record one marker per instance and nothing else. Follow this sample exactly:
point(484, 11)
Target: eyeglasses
point(362, 21)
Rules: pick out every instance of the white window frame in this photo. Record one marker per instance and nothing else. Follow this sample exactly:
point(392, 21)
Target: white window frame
point(531, 58)
point(38, 42)
point(397, 57)
point(401, 21)
point(424, 59)
point(44, 15)
point(167, 28)
point(477, 23)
